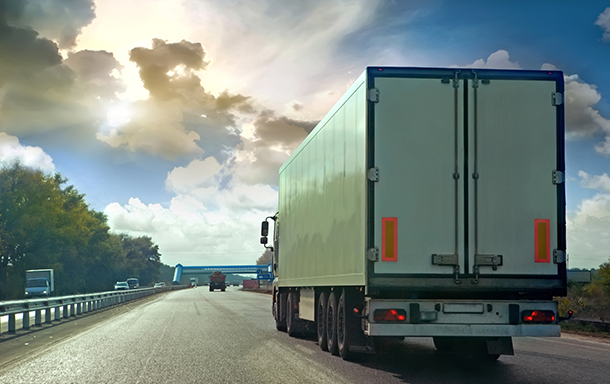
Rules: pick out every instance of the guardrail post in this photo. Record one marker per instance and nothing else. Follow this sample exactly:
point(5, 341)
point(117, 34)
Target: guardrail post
point(57, 313)
point(66, 311)
point(79, 308)
point(11, 323)
point(73, 309)
point(47, 315)
point(38, 317)
point(25, 321)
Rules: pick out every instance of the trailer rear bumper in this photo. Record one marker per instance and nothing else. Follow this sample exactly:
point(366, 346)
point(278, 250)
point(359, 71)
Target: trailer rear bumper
point(460, 318)
point(466, 330)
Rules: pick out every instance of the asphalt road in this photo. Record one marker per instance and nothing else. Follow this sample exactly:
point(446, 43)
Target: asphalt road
point(197, 336)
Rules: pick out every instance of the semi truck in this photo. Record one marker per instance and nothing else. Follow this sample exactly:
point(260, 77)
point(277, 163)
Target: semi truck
point(429, 202)
point(39, 282)
point(193, 281)
point(217, 281)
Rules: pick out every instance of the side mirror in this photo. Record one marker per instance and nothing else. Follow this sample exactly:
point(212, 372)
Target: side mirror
point(264, 240)
point(265, 229)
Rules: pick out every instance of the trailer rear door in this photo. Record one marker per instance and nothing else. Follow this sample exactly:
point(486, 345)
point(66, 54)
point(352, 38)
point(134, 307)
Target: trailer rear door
point(417, 148)
point(466, 176)
point(514, 197)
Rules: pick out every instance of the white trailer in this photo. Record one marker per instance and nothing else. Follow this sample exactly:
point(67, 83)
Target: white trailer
point(427, 202)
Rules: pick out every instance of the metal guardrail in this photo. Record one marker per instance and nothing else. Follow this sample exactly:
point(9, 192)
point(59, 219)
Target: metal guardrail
point(67, 306)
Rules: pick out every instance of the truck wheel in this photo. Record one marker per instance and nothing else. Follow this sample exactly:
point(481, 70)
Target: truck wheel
point(444, 344)
point(331, 324)
point(222, 289)
point(345, 328)
point(321, 322)
point(290, 312)
point(280, 320)
point(211, 289)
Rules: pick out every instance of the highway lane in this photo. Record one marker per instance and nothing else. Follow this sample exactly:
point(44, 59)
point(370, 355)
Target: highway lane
point(197, 336)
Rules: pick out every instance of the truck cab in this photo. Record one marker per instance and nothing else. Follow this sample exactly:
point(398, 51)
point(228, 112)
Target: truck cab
point(37, 287)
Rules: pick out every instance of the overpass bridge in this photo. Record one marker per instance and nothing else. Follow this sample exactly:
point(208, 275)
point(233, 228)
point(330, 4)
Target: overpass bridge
point(263, 272)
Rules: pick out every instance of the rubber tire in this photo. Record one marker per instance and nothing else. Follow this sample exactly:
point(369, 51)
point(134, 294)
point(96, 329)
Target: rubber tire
point(211, 289)
point(331, 324)
point(345, 327)
point(443, 344)
point(290, 320)
point(280, 323)
point(321, 321)
point(222, 289)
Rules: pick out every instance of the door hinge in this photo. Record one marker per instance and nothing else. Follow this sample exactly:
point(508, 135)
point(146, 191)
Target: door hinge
point(373, 174)
point(559, 256)
point(492, 261)
point(556, 98)
point(373, 254)
point(374, 95)
point(558, 177)
point(450, 261)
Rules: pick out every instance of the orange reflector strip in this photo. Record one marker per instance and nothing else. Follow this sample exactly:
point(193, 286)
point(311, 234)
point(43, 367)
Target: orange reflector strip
point(543, 240)
point(389, 241)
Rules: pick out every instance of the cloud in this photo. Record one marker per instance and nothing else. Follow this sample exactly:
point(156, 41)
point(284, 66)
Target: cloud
point(34, 157)
point(180, 118)
point(581, 118)
point(297, 106)
point(156, 128)
point(155, 65)
point(497, 60)
point(198, 174)
point(603, 20)
point(58, 20)
point(38, 90)
point(96, 73)
point(283, 39)
point(588, 227)
point(600, 183)
point(206, 222)
point(266, 145)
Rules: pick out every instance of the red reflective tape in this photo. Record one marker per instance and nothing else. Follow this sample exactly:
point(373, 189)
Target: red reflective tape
point(543, 240)
point(389, 238)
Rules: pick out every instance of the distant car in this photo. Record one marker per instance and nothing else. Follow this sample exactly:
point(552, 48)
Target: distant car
point(161, 284)
point(121, 286)
point(133, 283)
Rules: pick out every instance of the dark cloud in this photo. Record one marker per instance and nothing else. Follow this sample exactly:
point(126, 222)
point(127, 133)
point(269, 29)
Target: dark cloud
point(283, 131)
point(226, 101)
point(23, 54)
point(188, 120)
point(58, 20)
point(156, 64)
point(260, 155)
point(95, 73)
point(297, 106)
point(38, 91)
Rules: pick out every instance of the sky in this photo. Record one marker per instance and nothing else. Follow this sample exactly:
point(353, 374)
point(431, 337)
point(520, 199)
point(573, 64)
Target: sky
point(174, 116)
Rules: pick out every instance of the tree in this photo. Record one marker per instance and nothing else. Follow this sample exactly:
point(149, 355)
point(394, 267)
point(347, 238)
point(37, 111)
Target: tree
point(604, 273)
point(45, 223)
point(142, 258)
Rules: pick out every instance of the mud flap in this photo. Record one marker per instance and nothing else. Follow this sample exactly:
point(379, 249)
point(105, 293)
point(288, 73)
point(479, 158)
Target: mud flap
point(500, 346)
